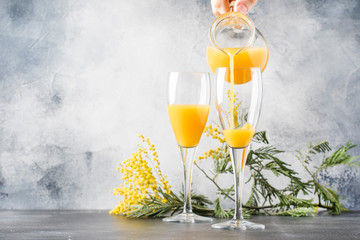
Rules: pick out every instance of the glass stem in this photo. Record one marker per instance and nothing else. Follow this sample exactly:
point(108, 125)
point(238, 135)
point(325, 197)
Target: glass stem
point(187, 156)
point(238, 159)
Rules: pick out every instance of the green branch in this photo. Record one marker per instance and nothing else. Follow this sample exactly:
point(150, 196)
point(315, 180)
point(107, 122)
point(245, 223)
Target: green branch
point(264, 198)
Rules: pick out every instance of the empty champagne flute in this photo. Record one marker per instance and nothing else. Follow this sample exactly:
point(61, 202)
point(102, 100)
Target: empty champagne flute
point(238, 103)
point(188, 103)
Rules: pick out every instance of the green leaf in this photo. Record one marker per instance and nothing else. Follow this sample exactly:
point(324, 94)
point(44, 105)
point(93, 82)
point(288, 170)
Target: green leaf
point(219, 211)
point(329, 196)
point(200, 200)
point(341, 157)
point(320, 147)
point(260, 137)
point(226, 192)
point(253, 198)
point(222, 165)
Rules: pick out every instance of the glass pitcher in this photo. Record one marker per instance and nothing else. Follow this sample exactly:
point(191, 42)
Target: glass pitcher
point(235, 33)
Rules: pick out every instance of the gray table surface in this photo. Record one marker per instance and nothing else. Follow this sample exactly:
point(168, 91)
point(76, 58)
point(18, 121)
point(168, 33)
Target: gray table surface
point(80, 224)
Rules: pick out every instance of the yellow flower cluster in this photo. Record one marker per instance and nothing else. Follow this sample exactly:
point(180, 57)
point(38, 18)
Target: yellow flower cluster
point(211, 153)
point(215, 133)
point(139, 180)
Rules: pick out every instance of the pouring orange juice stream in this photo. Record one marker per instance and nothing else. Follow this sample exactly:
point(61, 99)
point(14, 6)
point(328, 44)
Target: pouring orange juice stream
point(251, 57)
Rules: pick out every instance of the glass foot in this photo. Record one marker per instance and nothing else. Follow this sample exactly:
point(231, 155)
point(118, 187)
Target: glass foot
point(238, 224)
point(187, 218)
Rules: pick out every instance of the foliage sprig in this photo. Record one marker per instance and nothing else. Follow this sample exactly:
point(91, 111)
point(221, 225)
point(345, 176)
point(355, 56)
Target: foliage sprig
point(298, 198)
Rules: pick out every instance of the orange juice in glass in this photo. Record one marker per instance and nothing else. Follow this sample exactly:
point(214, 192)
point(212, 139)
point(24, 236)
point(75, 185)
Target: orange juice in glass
point(188, 105)
point(238, 56)
point(188, 122)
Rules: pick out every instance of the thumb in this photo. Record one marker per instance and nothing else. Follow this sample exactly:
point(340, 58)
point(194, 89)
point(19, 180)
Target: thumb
point(244, 6)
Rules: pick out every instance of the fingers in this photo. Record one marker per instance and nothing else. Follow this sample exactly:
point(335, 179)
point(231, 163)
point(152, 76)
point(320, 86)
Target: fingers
point(220, 7)
point(244, 6)
point(223, 6)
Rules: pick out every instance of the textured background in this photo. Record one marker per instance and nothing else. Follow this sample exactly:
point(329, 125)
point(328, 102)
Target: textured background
point(79, 80)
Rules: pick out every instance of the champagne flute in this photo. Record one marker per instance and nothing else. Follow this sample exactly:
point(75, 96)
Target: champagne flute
point(188, 99)
point(238, 103)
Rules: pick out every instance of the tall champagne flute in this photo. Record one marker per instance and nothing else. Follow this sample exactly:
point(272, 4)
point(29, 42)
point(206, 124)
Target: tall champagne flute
point(188, 99)
point(238, 103)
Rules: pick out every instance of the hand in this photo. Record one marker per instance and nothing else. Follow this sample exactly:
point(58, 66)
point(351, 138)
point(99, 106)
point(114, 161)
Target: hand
point(223, 6)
